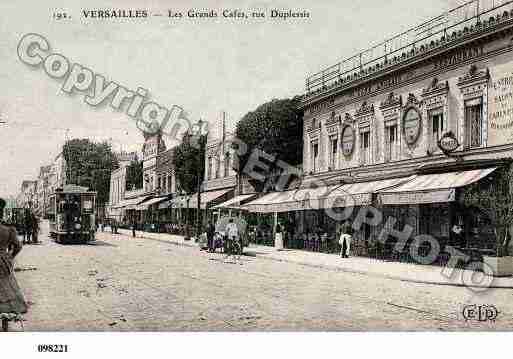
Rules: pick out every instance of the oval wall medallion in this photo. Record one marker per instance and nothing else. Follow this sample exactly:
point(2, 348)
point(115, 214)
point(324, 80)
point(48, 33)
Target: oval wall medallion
point(348, 139)
point(412, 123)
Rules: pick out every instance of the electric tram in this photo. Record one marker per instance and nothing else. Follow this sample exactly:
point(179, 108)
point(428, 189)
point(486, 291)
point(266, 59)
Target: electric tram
point(72, 214)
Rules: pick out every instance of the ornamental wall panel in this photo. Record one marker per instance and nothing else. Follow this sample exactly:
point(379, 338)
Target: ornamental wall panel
point(473, 86)
point(435, 101)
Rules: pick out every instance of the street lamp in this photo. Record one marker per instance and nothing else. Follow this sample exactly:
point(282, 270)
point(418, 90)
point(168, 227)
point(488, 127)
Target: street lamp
point(201, 144)
point(183, 193)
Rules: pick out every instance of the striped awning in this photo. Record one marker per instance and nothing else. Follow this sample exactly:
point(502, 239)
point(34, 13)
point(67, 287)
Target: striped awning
point(207, 197)
point(146, 204)
point(129, 203)
point(235, 202)
point(432, 188)
point(336, 196)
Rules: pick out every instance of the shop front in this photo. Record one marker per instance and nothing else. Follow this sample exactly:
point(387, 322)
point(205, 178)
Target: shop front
point(311, 217)
point(420, 204)
point(150, 214)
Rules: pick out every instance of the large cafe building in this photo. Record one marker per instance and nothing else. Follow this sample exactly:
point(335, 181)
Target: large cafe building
point(407, 126)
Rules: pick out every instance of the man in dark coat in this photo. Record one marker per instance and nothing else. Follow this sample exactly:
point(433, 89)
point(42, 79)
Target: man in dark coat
point(211, 229)
point(27, 224)
point(35, 229)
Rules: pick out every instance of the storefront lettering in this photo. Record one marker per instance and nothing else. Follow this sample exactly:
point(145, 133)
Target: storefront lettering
point(395, 80)
point(458, 56)
point(501, 107)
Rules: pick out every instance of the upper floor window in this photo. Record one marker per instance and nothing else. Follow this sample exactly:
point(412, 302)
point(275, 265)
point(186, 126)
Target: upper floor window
point(474, 123)
point(164, 186)
point(169, 183)
point(436, 118)
point(333, 152)
point(159, 183)
point(365, 147)
point(315, 156)
point(227, 165)
point(209, 169)
point(218, 165)
point(391, 146)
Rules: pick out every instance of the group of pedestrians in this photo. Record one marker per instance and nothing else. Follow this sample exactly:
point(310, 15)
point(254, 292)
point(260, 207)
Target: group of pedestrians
point(345, 236)
point(30, 228)
point(229, 239)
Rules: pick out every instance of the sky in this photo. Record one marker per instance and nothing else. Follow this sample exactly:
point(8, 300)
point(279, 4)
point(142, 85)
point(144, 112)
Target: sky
point(205, 66)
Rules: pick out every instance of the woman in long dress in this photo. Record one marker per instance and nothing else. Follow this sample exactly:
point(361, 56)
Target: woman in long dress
point(278, 238)
point(11, 298)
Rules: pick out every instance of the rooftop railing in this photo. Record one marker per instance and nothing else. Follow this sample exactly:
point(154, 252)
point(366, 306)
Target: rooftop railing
point(453, 25)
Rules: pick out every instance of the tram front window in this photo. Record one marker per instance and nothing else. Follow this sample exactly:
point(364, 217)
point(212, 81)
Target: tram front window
point(71, 210)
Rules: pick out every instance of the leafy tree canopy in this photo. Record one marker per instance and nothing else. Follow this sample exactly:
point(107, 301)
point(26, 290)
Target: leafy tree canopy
point(134, 175)
point(493, 196)
point(189, 162)
point(90, 164)
point(276, 128)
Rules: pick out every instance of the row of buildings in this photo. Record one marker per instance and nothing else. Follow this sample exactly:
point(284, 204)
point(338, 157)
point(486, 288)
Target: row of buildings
point(34, 194)
point(161, 198)
point(406, 126)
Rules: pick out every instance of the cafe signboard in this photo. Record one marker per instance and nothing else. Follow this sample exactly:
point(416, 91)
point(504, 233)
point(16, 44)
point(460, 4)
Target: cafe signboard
point(500, 105)
point(448, 143)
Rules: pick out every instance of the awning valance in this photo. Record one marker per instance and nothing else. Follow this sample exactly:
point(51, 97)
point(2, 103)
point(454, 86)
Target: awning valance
point(432, 188)
point(235, 202)
point(353, 194)
point(128, 203)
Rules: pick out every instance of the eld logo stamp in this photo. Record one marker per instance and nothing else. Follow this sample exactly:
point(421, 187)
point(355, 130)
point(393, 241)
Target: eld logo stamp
point(480, 313)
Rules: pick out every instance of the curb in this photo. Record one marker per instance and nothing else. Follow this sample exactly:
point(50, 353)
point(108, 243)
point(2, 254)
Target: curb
point(344, 270)
point(378, 275)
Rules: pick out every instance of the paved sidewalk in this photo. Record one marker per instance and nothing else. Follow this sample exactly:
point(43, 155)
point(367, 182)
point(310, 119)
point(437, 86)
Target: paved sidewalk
point(392, 270)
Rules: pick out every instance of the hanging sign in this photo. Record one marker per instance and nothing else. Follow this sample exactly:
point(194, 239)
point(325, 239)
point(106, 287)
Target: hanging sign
point(448, 143)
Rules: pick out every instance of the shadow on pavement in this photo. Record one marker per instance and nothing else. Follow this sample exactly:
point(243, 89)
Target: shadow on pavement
point(100, 243)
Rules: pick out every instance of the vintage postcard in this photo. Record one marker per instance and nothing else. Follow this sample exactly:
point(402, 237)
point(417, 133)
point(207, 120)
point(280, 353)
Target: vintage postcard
point(255, 166)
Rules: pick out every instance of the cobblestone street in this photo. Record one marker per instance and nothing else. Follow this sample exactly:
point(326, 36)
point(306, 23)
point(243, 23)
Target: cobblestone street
point(121, 283)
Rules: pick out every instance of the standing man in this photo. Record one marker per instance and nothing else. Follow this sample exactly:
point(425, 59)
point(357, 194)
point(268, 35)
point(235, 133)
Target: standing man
point(458, 236)
point(133, 226)
point(35, 229)
point(210, 236)
point(28, 226)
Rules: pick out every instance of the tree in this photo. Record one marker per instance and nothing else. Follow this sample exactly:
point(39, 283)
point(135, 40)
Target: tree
point(189, 162)
point(276, 128)
point(134, 175)
point(90, 164)
point(494, 198)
